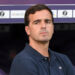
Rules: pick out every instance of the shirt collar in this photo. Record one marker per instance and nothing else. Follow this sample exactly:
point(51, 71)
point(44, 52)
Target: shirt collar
point(37, 55)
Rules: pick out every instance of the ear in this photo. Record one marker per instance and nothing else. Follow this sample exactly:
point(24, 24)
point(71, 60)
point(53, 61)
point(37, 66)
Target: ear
point(27, 30)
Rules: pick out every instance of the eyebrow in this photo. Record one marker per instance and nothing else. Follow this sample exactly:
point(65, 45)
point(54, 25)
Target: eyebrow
point(48, 20)
point(38, 20)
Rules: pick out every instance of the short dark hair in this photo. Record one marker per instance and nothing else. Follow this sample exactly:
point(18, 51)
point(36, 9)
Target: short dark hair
point(33, 9)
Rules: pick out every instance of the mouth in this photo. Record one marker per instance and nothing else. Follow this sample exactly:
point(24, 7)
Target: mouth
point(44, 33)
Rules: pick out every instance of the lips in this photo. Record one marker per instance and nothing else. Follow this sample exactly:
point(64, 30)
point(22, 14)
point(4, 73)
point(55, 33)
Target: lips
point(43, 33)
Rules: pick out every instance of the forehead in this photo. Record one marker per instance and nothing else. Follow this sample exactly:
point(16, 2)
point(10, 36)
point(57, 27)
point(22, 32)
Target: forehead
point(42, 14)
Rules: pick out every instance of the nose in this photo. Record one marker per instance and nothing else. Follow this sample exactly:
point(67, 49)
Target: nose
point(43, 25)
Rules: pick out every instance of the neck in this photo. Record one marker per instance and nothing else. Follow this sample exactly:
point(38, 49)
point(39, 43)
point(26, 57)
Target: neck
point(41, 47)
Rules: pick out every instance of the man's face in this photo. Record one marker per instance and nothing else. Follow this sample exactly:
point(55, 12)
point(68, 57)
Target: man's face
point(40, 26)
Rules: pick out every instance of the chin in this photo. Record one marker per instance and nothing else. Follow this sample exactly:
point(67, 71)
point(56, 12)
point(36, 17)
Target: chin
point(45, 40)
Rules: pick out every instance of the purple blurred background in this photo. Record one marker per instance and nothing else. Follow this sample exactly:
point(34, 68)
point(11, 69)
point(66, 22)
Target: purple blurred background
point(37, 1)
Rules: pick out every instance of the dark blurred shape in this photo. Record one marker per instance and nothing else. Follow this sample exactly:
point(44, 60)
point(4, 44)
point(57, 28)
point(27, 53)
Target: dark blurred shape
point(2, 72)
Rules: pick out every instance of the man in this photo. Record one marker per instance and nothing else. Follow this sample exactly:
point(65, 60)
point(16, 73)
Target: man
point(37, 58)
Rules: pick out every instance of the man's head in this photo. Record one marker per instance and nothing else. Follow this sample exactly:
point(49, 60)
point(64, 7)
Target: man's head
point(34, 9)
point(39, 23)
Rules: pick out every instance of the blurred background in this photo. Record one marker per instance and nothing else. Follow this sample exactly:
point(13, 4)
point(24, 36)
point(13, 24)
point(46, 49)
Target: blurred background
point(13, 36)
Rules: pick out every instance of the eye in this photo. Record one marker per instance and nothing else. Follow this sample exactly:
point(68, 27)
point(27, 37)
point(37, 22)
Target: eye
point(36, 22)
point(48, 21)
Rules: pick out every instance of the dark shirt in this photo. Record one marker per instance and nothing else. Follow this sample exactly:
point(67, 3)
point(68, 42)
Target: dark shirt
point(31, 62)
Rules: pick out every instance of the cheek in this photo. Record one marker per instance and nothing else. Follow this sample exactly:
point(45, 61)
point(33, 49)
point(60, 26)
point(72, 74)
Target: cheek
point(51, 30)
point(34, 32)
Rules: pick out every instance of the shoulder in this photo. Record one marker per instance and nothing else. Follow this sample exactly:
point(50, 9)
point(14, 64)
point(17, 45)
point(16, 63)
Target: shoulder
point(23, 57)
point(63, 58)
point(64, 61)
point(60, 55)
point(23, 64)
